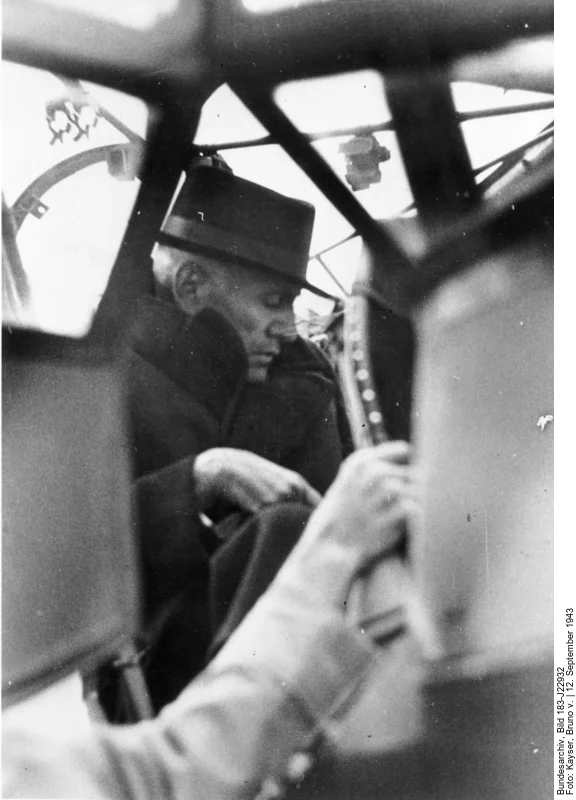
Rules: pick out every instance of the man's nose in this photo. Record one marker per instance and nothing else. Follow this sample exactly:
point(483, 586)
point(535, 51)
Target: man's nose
point(283, 327)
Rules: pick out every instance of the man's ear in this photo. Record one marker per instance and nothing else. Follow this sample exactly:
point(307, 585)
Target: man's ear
point(189, 286)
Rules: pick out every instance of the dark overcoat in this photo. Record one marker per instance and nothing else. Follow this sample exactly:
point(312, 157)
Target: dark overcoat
point(188, 393)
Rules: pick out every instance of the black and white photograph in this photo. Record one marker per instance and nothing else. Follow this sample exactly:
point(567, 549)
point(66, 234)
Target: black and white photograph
point(278, 421)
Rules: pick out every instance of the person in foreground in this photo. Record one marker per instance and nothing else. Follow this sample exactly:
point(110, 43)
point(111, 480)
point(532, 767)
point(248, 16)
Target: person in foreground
point(268, 690)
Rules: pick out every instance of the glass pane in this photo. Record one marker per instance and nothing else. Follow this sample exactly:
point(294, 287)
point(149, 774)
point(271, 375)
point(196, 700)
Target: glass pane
point(349, 122)
point(138, 14)
point(388, 194)
point(492, 137)
point(72, 153)
point(323, 105)
point(225, 119)
point(267, 6)
point(342, 261)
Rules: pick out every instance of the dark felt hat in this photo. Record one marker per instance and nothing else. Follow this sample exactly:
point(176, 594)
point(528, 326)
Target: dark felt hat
point(219, 214)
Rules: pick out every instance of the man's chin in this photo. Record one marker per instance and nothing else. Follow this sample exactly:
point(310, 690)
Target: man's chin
point(257, 374)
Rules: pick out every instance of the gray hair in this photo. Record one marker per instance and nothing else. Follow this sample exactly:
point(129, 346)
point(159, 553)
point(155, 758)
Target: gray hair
point(165, 263)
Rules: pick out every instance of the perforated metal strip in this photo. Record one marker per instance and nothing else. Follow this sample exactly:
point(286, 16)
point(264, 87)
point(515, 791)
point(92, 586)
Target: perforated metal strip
point(357, 355)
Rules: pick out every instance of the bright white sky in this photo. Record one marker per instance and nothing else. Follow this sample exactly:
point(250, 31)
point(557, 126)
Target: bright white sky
point(140, 14)
point(338, 102)
point(69, 253)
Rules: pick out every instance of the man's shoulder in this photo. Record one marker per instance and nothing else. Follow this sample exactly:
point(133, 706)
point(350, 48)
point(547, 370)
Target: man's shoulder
point(301, 378)
point(302, 355)
point(187, 351)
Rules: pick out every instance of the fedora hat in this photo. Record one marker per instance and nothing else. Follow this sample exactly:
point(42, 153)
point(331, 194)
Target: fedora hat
point(219, 214)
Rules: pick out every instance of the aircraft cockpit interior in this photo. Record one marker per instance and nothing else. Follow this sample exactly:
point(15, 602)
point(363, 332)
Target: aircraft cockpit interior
point(422, 135)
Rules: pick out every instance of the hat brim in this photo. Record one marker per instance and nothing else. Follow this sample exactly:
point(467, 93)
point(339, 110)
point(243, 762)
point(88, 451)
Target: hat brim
point(190, 247)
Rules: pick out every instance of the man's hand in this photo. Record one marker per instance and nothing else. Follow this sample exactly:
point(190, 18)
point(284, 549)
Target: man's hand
point(373, 491)
point(247, 481)
point(357, 522)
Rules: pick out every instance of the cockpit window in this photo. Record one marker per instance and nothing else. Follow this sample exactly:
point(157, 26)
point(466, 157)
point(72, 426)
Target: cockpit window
point(226, 125)
point(72, 153)
point(348, 120)
point(266, 6)
point(138, 14)
point(495, 126)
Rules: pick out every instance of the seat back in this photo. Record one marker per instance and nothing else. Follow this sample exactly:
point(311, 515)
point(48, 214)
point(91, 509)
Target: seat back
point(483, 420)
point(69, 563)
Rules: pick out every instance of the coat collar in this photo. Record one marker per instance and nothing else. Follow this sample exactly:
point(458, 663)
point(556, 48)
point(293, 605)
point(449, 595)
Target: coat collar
point(202, 354)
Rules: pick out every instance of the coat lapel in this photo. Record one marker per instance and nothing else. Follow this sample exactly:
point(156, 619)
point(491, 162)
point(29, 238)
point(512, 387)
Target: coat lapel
point(203, 355)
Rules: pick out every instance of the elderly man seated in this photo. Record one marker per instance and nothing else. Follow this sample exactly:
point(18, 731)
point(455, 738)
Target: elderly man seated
point(234, 416)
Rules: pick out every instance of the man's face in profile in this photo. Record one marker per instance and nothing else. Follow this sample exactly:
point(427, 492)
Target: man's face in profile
point(257, 303)
point(260, 306)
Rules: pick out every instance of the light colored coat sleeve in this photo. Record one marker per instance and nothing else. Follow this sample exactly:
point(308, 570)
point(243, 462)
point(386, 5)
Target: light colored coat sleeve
point(261, 698)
